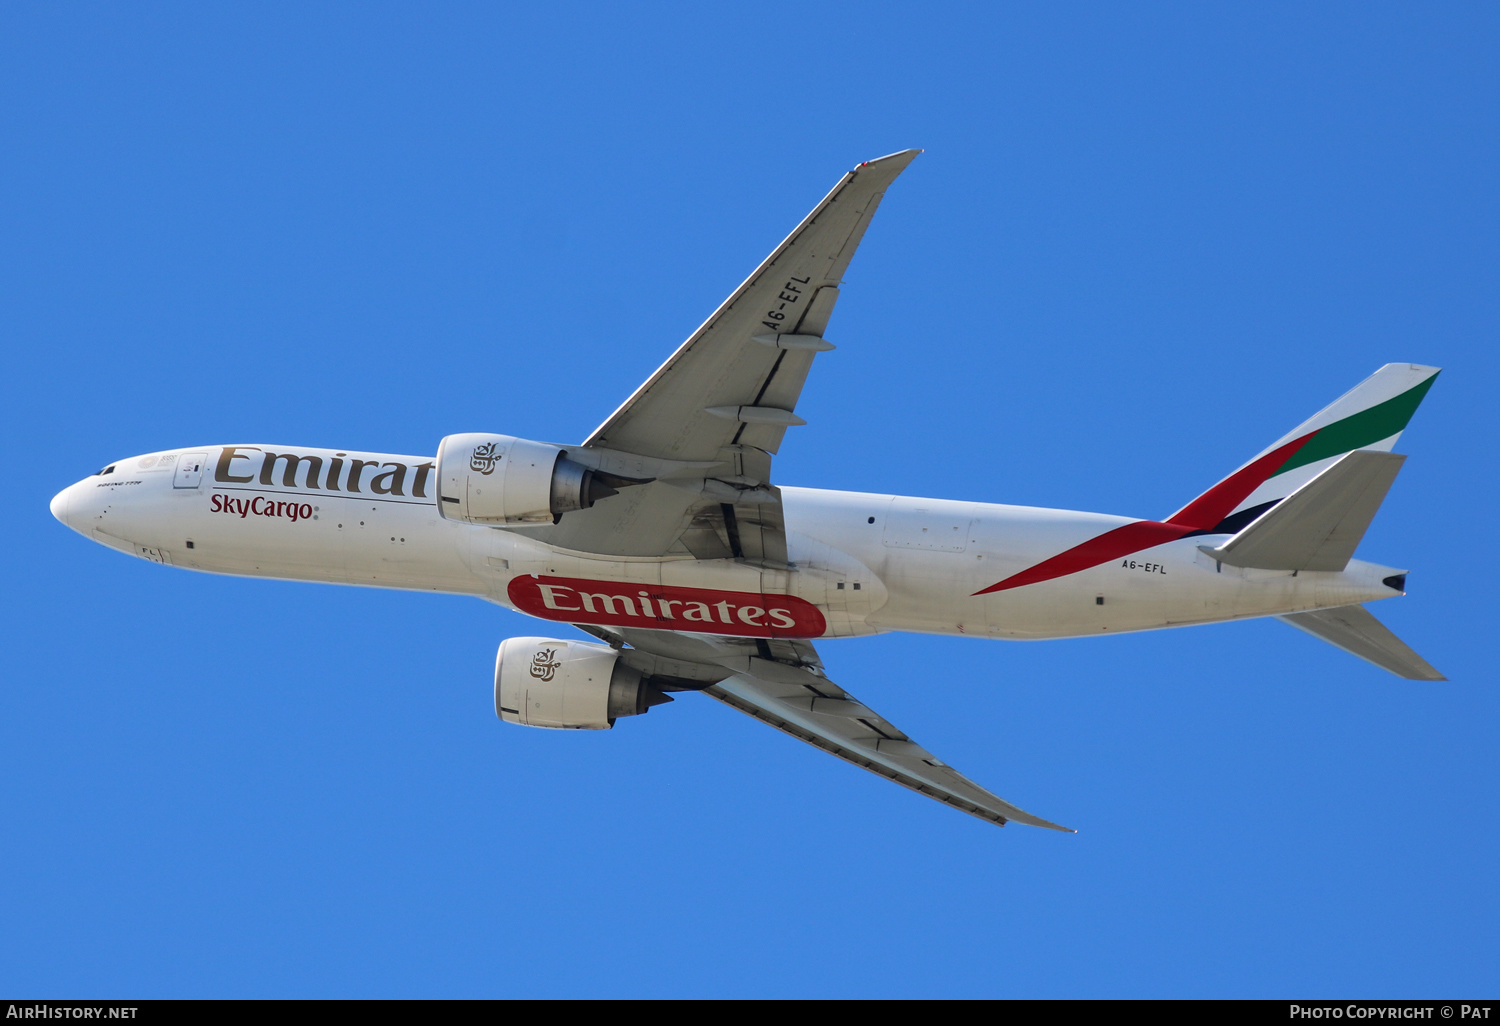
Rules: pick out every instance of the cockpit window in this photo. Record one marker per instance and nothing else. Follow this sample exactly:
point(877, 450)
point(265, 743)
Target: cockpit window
point(107, 470)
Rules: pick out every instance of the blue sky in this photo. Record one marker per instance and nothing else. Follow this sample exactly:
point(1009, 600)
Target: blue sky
point(1141, 244)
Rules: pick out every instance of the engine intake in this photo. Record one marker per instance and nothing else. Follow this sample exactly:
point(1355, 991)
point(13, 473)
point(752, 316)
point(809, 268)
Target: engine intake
point(569, 685)
point(498, 479)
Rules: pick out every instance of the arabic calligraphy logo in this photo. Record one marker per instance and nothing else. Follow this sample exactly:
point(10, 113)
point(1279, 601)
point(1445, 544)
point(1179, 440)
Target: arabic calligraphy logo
point(542, 666)
point(484, 459)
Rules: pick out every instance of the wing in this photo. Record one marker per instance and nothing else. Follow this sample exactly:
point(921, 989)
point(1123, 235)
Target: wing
point(723, 387)
point(718, 408)
point(782, 683)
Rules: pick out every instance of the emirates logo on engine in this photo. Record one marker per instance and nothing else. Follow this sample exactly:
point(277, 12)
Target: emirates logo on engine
point(543, 664)
point(665, 607)
point(483, 461)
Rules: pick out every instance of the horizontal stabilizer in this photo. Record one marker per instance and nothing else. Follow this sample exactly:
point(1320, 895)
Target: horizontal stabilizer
point(1319, 525)
point(1354, 630)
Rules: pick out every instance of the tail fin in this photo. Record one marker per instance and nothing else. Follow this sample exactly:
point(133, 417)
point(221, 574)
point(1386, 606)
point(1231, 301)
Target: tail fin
point(1354, 630)
point(1371, 416)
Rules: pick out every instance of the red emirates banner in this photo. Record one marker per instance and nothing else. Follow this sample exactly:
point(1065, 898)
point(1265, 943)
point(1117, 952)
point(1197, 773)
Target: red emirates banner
point(660, 607)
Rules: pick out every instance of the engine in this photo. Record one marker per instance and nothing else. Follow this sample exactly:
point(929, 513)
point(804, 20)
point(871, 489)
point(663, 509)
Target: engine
point(542, 682)
point(497, 479)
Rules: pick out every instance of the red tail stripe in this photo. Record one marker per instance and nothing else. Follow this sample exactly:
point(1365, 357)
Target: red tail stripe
point(1110, 545)
point(1219, 501)
point(1202, 514)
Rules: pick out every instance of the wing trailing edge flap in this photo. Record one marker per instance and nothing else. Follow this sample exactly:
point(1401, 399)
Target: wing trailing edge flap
point(1318, 526)
point(1356, 631)
point(781, 683)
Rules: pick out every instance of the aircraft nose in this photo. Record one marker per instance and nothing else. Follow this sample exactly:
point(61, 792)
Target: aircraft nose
point(64, 506)
point(59, 505)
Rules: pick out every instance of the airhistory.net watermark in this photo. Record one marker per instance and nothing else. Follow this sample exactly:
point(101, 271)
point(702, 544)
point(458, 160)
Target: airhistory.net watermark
point(42, 1010)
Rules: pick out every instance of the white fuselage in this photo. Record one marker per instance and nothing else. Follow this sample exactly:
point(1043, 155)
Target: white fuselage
point(867, 563)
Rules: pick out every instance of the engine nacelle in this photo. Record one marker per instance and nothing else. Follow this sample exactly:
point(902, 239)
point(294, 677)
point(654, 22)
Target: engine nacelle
point(497, 479)
point(573, 685)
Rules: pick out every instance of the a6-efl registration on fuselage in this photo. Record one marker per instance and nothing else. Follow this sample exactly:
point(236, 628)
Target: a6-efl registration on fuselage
point(665, 537)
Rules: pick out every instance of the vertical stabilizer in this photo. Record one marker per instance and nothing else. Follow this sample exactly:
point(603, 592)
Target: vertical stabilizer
point(1371, 416)
point(1328, 520)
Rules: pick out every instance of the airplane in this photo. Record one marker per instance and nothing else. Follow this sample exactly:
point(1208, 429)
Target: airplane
point(664, 537)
